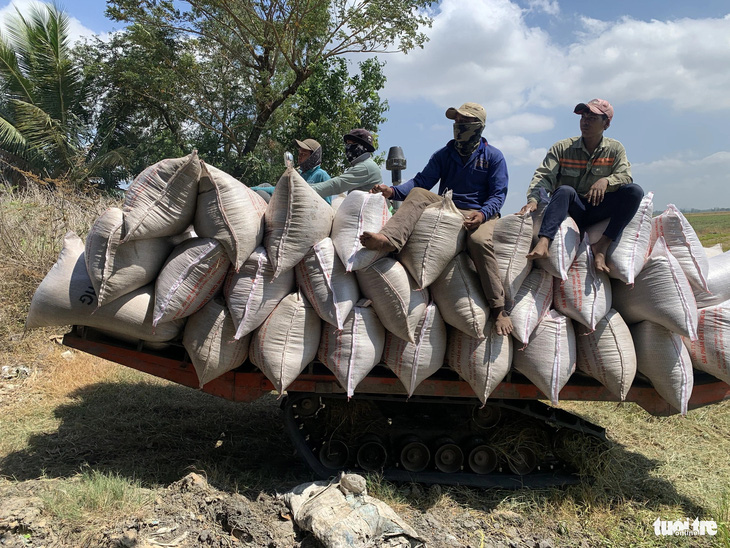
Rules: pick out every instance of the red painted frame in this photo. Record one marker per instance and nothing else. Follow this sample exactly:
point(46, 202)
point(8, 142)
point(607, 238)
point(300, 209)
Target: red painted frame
point(247, 385)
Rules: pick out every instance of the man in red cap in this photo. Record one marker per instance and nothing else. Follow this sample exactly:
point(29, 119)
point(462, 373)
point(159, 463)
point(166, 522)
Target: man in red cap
point(588, 178)
point(476, 173)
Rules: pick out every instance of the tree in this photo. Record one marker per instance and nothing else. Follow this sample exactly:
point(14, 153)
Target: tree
point(270, 48)
point(44, 127)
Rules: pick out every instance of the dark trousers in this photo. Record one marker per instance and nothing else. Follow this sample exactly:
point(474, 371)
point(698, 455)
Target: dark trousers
point(620, 206)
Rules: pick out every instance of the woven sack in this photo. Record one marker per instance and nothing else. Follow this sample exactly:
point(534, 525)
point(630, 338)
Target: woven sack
point(398, 302)
point(549, 359)
point(414, 362)
point(208, 339)
point(193, 274)
point(663, 359)
point(438, 236)
point(296, 218)
point(512, 241)
point(352, 352)
point(287, 341)
point(358, 212)
point(117, 268)
point(252, 293)
point(562, 250)
point(711, 351)
point(66, 297)
point(322, 278)
point(482, 362)
point(532, 302)
point(458, 294)
point(230, 212)
point(607, 353)
point(161, 200)
point(661, 294)
point(718, 282)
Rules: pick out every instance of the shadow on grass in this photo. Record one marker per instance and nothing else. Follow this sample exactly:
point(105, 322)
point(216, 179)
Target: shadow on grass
point(157, 434)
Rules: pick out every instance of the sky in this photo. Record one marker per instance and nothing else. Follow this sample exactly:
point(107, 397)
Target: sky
point(663, 64)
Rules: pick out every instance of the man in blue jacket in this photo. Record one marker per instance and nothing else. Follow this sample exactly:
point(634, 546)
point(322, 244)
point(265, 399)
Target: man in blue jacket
point(476, 173)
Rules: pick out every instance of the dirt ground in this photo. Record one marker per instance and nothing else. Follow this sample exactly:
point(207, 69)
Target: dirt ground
point(190, 511)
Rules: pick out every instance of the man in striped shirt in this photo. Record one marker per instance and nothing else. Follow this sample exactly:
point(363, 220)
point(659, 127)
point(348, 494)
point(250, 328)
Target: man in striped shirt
point(588, 178)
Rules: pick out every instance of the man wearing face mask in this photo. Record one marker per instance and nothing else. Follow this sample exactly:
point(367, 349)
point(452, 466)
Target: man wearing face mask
point(363, 173)
point(476, 173)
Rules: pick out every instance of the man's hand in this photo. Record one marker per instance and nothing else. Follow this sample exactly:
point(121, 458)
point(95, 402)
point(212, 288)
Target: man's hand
point(527, 208)
point(385, 190)
point(597, 192)
point(473, 219)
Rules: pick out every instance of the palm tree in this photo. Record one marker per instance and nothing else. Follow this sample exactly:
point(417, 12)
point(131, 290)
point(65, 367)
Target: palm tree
point(45, 120)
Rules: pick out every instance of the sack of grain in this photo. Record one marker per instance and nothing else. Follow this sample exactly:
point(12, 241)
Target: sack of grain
point(161, 200)
point(359, 212)
point(230, 212)
point(711, 351)
point(458, 294)
point(397, 301)
point(482, 362)
point(713, 251)
point(287, 341)
point(193, 274)
point(562, 250)
point(296, 218)
point(252, 293)
point(66, 297)
point(532, 302)
point(718, 282)
point(414, 362)
point(661, 294)
point(627, 254)
point(663, 359)
point(549, 358)
point(607, 353)
point(438, 236)
point(682, 242)
point(585, 295)
point(208, 338)
point(351, 352)
point(512, 240)
point(330, 289)
point(118, 268)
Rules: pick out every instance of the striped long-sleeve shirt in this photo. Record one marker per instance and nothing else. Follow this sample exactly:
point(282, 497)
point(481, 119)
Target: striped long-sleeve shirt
point(569, 163)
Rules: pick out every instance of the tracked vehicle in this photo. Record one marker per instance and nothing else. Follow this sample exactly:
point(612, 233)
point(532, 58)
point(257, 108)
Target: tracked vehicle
point(442, 434)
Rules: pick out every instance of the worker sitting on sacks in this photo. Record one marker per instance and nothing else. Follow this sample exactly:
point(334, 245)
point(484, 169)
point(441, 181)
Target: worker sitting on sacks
point(363, 173)
point(309, 160)
point(588, 178)
point(476, 173)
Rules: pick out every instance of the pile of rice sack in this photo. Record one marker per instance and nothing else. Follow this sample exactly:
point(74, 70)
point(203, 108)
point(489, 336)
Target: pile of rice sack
point(194, 254)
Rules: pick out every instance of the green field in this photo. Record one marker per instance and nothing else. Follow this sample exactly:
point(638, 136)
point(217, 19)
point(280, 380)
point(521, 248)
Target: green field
point(712, 228)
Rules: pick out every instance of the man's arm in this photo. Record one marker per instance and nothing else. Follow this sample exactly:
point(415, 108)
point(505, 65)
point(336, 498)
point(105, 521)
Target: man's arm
point(358, 176)
point(621, 172)
point(427, 178)
point(546, 176)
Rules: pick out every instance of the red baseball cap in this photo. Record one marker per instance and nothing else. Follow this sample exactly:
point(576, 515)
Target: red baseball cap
point(597, 106)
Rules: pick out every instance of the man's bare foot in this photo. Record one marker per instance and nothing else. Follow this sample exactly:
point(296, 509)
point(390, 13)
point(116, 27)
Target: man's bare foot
point(375, 241)
point(502, 322)
point(540, 251)
point(599, 261)
point(599, 249)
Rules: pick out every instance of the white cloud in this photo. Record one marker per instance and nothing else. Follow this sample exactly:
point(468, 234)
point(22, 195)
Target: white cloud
point(482, 50)
point(75, 29)
point(550, 7)
point(687, 182)
point(524, 122)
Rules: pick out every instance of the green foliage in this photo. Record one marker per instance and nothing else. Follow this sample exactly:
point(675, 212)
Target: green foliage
point(44, 121)
point(246, 61)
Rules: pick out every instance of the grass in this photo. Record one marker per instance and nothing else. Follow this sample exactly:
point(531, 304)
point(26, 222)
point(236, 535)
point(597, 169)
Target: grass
point(107, 436)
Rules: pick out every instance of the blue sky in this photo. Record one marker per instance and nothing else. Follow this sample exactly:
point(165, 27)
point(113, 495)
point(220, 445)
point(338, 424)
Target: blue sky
point(663, 64)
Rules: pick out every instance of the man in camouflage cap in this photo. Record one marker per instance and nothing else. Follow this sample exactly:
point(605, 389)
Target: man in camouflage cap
point(588, 178)
point(476, 173)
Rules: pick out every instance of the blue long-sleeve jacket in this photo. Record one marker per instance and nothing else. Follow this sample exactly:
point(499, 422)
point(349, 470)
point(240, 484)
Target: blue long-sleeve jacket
point(479, 184)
